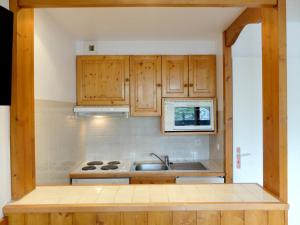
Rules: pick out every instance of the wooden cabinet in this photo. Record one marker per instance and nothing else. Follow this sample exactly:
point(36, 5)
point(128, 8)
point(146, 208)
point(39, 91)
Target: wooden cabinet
point(145, 85)
point(102, 80)
point(153, 180)
point(175, 76)
point(202, 76)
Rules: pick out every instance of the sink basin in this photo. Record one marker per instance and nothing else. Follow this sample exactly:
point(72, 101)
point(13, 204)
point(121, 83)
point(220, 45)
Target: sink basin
point(188, 166)
point(150, 167)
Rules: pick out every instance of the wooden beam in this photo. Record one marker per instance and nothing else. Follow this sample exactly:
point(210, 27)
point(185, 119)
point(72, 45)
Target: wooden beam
point(146, 3)
point(249, 16)
point(22, 106)
point(275, 99)
point(228, 110)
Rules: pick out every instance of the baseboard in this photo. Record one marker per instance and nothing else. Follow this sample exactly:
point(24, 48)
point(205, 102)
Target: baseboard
point(3, 221)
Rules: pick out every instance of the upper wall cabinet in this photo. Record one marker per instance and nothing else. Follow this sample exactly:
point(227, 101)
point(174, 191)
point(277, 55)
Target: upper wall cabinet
point(202, 76)
point(102, 80)
point(145, 85)
point(175, 72)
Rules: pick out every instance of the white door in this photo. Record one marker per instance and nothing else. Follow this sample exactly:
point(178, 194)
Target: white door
point(247, 107)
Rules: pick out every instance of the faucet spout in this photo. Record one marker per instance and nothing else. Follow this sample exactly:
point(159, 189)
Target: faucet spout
point(165, 162)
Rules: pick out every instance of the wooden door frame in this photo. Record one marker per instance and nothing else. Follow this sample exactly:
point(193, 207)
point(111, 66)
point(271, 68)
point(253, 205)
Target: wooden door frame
point(273, 18)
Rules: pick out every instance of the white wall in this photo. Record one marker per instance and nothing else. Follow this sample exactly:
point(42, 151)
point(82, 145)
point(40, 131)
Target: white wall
point(247, 105)
point(5, 192)
point(54, 60)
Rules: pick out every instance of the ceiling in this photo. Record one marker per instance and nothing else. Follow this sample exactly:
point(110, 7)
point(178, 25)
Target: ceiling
point(143, 23)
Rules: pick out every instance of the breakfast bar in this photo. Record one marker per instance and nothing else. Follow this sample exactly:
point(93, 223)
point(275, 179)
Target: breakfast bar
point(204, 204)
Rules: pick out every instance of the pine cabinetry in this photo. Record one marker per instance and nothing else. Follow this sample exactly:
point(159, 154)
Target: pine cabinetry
point(202, 76)
point(102, 80)
point(175, 76)
point(145, 85)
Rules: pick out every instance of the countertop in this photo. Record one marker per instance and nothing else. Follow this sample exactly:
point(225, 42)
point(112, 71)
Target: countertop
point(214, 169)
point(145, 198)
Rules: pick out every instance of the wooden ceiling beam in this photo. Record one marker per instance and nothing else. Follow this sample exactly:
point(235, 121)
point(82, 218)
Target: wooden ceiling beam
point(249, 16)
point(146, 3)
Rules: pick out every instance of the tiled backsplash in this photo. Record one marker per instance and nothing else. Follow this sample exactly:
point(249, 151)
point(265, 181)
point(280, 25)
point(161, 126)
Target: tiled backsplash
point(64, 140)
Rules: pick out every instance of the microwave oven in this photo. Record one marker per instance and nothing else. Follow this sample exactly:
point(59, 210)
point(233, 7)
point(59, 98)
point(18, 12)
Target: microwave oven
point(189, 115)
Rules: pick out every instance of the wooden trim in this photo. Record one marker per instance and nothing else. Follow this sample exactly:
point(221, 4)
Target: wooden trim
point(22, 106)
point(146, 3)
point(275, 99)
point(228, 111)
point(249, 16)
point(4, 221)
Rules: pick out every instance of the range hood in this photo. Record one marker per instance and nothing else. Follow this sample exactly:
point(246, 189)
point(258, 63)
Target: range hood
point(102, 110)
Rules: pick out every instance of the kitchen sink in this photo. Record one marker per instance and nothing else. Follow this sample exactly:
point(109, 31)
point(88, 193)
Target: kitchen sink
point(150, 167)
point(187, 166)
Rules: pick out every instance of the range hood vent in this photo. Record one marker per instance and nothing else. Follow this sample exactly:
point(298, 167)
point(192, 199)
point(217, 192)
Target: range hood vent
point(102, 110)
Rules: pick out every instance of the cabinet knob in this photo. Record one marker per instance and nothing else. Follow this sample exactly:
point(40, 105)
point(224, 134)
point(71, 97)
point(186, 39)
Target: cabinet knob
point(191, 85)
point(158, 85)
point(186, 85)
point(127, 80)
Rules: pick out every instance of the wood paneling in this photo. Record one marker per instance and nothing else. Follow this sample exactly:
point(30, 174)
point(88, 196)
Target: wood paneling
point(160, 218)
point(153, 180)
point(256, 217)
point(249, 16)
point(4, 221)
point(85, 219)
point(37, 219)
point(102, 80)
point(209, 218)
point(175, 76)
point(275, 99)
point(16, 219)
point(276, 218)
point(135, 218)
point(228, 111)
point(185, 218)
point(22, 106)
point(202, 76)
point(61, 219)
point(232, 218)
point(109, 218)
point(169, 3)
point(145, 85)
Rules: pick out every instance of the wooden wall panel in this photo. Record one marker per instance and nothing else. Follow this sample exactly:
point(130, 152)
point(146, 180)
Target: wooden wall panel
point(275, 99)
point(160, 218)
point(84, 219)
point(37, 219)
point(256, 217)
point(109, 218)
point(22, 106)
point(228, 111)
point(232, 218)
point(209, 218)
point(61, 219)
point(135, 218)
point(185, 218)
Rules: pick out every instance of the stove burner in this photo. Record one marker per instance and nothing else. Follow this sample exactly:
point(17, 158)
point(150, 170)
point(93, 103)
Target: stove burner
point(113, 163)
point(88, 168)
point(109, 167)
point(95, 163)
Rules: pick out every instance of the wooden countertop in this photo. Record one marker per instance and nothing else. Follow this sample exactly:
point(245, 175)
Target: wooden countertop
point(145, 198)
point(214, 169)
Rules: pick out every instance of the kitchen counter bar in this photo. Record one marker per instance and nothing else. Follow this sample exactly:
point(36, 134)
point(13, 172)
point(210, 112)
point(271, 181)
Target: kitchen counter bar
point(116, 198)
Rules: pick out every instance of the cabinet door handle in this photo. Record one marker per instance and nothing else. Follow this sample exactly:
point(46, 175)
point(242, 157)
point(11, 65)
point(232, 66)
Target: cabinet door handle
point(191, 85)
point(186, 85)
point(158, 85)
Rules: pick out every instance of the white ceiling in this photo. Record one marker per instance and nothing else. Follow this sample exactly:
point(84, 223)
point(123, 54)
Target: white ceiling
point(144, 23)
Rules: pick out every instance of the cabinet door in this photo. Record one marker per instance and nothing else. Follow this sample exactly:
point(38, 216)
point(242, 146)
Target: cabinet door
point(202, 76)
point(175, 74)
point(103, 80)
point(145, 85)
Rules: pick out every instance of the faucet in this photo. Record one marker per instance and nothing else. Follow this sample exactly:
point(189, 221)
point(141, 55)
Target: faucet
point(166, 160)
